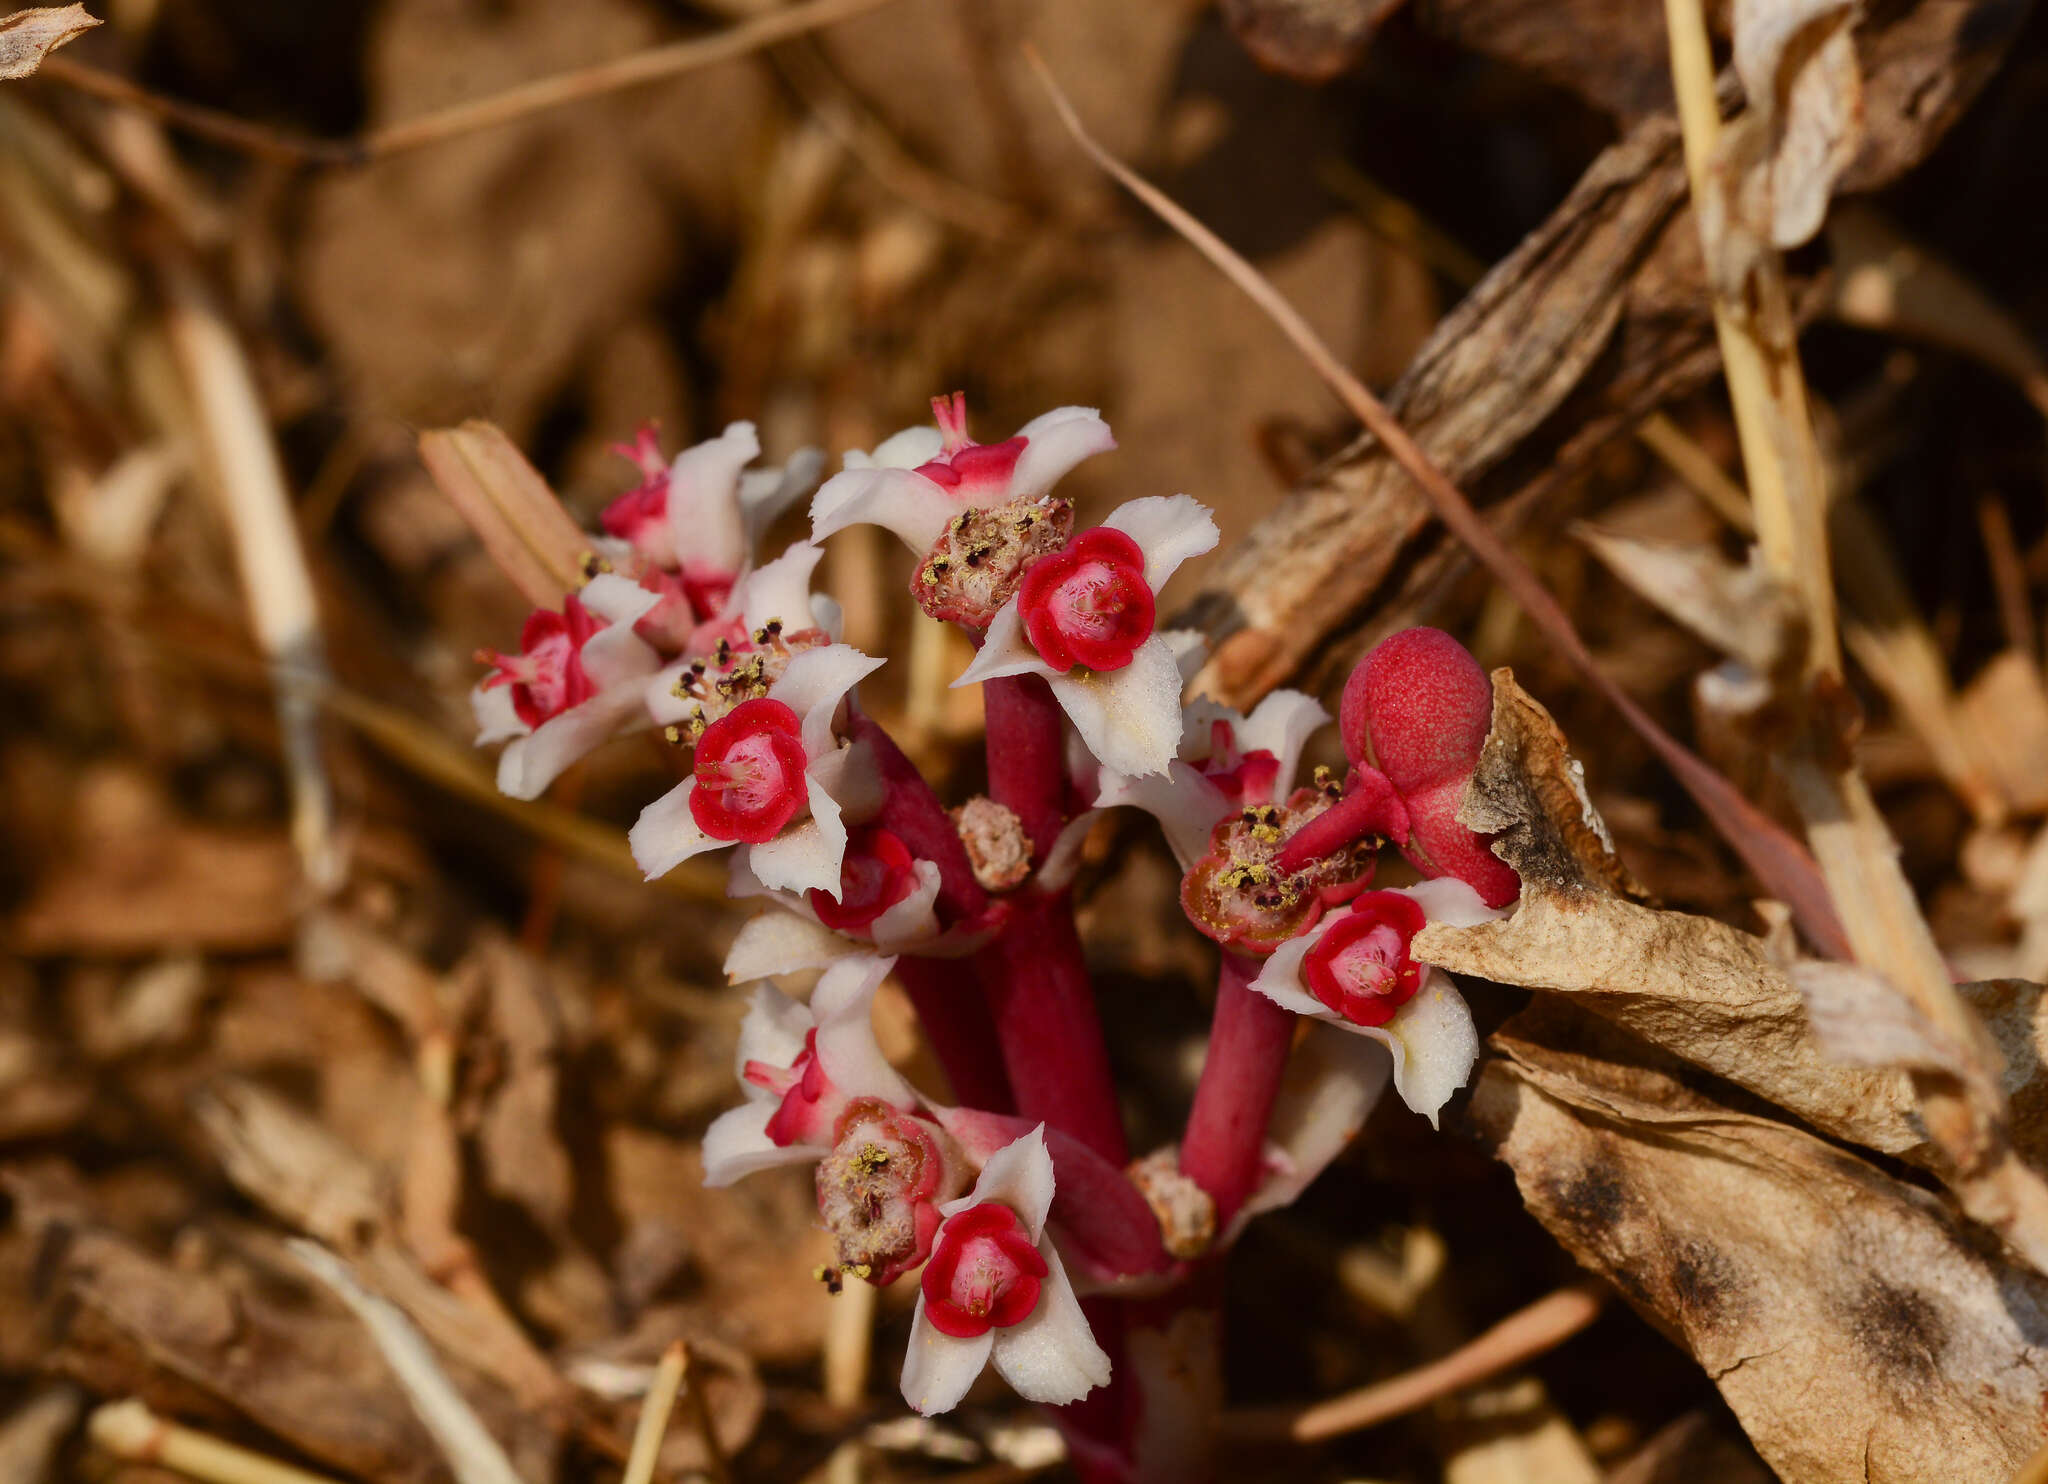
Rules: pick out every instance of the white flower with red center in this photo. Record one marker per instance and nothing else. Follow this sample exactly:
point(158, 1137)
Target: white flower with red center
point(772, 775)
point(1355, 969)
point(1226, 762)
point(1084, 619)
point(917, 482)
point(577, 680)
point(693, 525)
point(769, 615)
point(886, 898)
point(801, 1066)
point(994, 1289)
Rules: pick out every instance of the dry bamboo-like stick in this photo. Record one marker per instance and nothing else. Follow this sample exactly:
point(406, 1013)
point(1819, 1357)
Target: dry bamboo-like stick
point(654, 1411)
point(130, 1431)
point(1851, 841)
point(275, 577)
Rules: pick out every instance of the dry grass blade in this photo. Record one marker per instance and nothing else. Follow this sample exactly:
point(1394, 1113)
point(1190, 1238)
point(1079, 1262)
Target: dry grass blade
point(1523, 1335)
point(654, 65)
point(1778, 860)
point(654, 1411)
point(510, 507)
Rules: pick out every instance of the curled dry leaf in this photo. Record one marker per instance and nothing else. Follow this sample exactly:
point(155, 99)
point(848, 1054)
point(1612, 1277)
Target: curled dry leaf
point(28, 36)
point(1797, 62)
point(1851, 1322)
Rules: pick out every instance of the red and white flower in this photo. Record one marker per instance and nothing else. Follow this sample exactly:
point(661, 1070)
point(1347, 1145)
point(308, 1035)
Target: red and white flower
point(771, 774)
point(994, 1289)
point(1084, 618)
point(886, 898)
point(916, 482)
point(690, 529)
point(576, 681)
point(1355, 969)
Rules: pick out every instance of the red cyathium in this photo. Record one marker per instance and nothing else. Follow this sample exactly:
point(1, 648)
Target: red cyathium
point(1242, 777)
point(1088, 604)
point(547, 675)
point(879, 1189)
point(1240, 893)
point(803, 1088)
point(984, 1273)
point(640, 515)
point(750, 773)
point(1360, 967)
point(1417, 710)
point(876, 873)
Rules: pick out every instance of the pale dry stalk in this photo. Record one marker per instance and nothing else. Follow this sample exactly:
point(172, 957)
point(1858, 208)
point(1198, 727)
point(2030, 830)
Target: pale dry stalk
point(654, 1412)
point(1851, 842)
point(129, 1431)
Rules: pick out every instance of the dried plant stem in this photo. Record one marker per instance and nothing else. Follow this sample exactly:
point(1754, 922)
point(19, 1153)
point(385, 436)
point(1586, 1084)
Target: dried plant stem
point(1851, 841)
point(275, 577)
point(849, 1341)
point(131, 1432)
point(1778, 860)
point(654, 1411)
point(1523, 1335)
point(288, 147)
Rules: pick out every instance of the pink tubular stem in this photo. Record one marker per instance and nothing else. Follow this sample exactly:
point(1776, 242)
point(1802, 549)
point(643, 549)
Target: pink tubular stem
point(1249, 1040)
point(1044, 1007)
point(1027, 756)
point(1369, 807)
point(913, 814)
point(948, 997)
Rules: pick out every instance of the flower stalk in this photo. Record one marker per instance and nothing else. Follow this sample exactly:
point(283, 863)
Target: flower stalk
point(1249, 1039)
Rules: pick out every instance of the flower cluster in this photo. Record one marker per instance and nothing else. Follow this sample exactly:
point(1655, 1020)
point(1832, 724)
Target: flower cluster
point(996, 1198)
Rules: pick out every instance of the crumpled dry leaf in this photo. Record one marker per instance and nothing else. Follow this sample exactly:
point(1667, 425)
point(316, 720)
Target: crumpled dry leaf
point(1850, 1321)
point(28, 36)
point(516, 1134)
point(1310, 39)
point(1797, 62)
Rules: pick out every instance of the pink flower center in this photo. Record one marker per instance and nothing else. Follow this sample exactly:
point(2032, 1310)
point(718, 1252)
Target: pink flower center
point(976, 472)
point(547, 675)
point(750, 772)
point(878, 1189)
point(1243, 777)
point(876, 873)
point(641, 514)
point(985, 1272)
point(802, 1086)
point(1088, 605)
point(1361, 968)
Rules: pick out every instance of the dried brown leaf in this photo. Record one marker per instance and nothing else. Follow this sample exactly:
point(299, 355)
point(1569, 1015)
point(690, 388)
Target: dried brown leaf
point(293, 1165)
point(1741, 611)
point(28, 36)
point(1804, 124)
point(1848, 1319)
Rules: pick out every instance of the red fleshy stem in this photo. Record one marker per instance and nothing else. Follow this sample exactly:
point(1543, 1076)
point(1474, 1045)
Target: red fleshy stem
point(1044, 1008)
point(1369, 807)
point(948, 996)
point(1249, 1040)
point(913, 814)
point(1027, 756)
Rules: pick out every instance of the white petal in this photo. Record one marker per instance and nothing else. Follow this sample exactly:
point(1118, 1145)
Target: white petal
point(843, 1004)
point(1333, 1081)
point(1190, 651)
point(1051, 1356)
point(1168, 529)
point(664, 706)
point(1279, 977)
point(781, 589)
point(1186, 804)
point(1130, 718)
point(1282, 724)
point(912, 920)
point(905, 450)
point(1004, 651)
point(1434, 1043)
point(816, 681)
point(781, 942)
point(615, 656)
point(1452, 902)
point(666, 834)
point(937, 1368)
point(773, 1033)
point(1056, 872)
point(737, 1144)
point(529, 764)
point(766, 493)
point(808, 853)
point(1018, 1175)
point(912, 506)
point(616, 599)
point(496, 717)
point(704, 500)
point(829, 616)
point(1055, 442)
point(852, 777)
